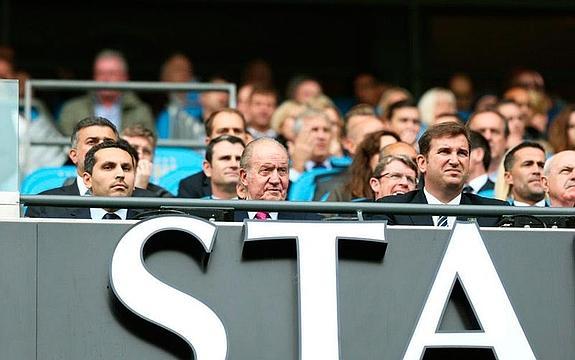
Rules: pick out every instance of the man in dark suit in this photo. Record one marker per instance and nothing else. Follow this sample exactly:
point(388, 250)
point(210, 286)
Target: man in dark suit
point(264, 175)
point(223, 122)
point(478, 181)
point(444, 163)
point(109, 170)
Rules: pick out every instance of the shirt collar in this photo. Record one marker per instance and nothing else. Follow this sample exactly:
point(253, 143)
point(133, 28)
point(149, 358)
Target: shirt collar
point(434, 201)
point(309, 165)
point(478, 182)
point(98, 213)
point(81, 186)
point(519, 203)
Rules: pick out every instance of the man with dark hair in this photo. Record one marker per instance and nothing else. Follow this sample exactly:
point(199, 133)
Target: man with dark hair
point(223, 122)
point(403, 119)
point(360, 121)
point(222, 166)
point(109, 170)
point(479, 160)
point(261, 106)
point(444, 163)
point(523, 166)
point(144, 141)
point(492, 125)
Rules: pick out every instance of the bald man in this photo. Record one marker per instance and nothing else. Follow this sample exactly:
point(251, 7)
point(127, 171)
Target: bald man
point(559, 179)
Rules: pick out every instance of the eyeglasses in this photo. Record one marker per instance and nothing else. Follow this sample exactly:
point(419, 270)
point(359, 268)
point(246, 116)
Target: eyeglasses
point(398, 177)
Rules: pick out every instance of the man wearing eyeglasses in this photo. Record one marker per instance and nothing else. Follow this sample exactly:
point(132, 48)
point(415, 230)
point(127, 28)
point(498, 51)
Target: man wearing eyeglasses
point(393, 175)
point(444, 162)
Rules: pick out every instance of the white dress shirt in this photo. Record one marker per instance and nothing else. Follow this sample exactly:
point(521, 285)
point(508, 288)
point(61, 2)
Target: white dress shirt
point(98, 213)
point(432, 200)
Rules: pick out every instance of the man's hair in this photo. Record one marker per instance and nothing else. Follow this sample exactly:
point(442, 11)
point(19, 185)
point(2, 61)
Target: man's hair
point(141, 131)
point(490, 110)
point(111, 53)
point(91, 121)
point(446, 129)
point(90, 160)
point(295, 82)
point(509, 159)
point(478, 141)
point(386, 160)
point(359, 110)
point(306, 114)
point(249, 149)
point(408, 103)
point(264, 90)
point(209, 124)
point(229, 138)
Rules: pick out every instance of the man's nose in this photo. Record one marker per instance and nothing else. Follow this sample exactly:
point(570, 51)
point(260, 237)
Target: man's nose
point(274, 177)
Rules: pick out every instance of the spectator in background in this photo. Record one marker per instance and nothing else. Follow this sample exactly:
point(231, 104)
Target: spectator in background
point(258, 72)
point(393, 175)
point(492, 125)
point(445, 117)
point(559, 179)
point(223, 122)
point(391, 96)
point(283, 119)
point(523, 167)
point(261, 106)
point(562, 131)
point(212, 101)
point(398, 148)
point(144, 142)
point(360, 120)
point(122, 108)
point(181, 119)
point(368, 89)
point(435, 101)
point(303, 88)
point(462, 87)
point(403, 118)
point(244, 94)
point(324, 103)
point(515, 121)
point(478, 181)
point(222, 166)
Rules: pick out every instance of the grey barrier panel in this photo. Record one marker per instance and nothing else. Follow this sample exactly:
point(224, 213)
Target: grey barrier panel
point(18, 291)
point(9, 136)
point(256, 298)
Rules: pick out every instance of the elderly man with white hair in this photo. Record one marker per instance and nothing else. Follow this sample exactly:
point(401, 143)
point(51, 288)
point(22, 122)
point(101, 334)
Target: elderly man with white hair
point(559, 179)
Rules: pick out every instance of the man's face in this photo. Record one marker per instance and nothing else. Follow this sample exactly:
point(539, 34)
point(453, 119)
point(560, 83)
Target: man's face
point(521, 97)
point(492, 127)
point(446, 166)
point(109, 69)
point(525, 176)
point(225, 166)
point(267, 175)
point(514, 118)
point(405, 123)
point(142, 145)
point(261, 108)
point(87, 138)
point(397, 178)
point(359, 127)
point(113, 173)
point(319, 130)
point(214, 100)
point(306, 91)
point(226, 123)
point(571, 130)
point(561, 178)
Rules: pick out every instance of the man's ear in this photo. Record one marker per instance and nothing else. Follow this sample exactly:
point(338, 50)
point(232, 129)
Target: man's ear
point(207, 168)
point(243, 177)
point(73, 155)
point(347, 144)
point(87, 179)
point(508, 178)
point(545, 183)
point(421, 163)
point(374, 184)
point(477, 155)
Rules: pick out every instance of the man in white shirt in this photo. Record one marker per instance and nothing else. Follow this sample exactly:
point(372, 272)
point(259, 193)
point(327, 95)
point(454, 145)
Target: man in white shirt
point(523, 166)
point(479, 160)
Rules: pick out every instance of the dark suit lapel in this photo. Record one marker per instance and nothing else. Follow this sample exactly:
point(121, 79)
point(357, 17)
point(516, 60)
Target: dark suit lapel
point(489, 185)
point(80, 213)
point(420, 198)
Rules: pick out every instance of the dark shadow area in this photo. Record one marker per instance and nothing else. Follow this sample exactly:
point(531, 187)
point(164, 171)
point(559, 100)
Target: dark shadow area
point(148, 331)
point(459, 354)
point(460, 308)
point(180, 241)
point(269, 249)
point(361, 250)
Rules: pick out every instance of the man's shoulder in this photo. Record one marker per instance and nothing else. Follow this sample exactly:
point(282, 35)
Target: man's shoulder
point(62, 190)
point(481, 200)
point(139, 192)
point(401, 198)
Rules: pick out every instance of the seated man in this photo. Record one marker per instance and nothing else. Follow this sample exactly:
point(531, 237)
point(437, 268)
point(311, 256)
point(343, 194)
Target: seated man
point(559, 179)
point(524, 174)
point(264, 175)
point(444, 163)
point(222, 166)
point(144, 141)
point(479, 160)
point(223, 122)
point(110, 169)
point(393, 175)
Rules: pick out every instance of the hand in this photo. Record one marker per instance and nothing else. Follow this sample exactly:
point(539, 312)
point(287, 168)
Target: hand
point(302, 148)
point(143, 173)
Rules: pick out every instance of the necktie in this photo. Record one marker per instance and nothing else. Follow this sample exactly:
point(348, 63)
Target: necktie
point(319, 166)
point(442, 221)
point(467, 189)
point(262, 215)
point(111, 216)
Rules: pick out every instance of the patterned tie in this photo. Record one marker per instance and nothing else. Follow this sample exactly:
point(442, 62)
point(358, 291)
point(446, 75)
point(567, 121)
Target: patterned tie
point(111, 216)
point(442, 221)
point(262, 215)
point(467, 189)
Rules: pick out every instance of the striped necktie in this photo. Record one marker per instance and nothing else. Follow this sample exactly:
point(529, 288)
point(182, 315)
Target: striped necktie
point(442, 221)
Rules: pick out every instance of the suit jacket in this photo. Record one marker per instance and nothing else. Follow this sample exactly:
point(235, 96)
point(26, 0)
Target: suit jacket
point(284, 215)
point(418, 197)
point(75, 213)
point(195, 186)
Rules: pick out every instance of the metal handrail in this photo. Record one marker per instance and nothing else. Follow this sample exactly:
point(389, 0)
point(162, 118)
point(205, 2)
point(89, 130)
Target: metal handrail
point(128, 85)
point(295, 206)
point(64, 141)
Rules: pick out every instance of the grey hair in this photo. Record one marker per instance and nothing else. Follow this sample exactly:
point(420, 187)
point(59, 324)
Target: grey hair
point(307, 113)
point(249, 150)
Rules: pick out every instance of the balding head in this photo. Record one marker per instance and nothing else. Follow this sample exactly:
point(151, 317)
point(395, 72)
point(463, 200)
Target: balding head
point(559, 178)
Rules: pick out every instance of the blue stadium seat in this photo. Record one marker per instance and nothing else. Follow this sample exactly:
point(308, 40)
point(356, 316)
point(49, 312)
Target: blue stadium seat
point(171, 180)
point(46, 178)
point(168, 159)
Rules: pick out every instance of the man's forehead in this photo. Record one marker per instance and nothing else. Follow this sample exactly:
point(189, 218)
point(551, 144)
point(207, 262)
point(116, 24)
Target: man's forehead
point(565, 160)
point(224, 120)
point(226, 147)
point(487, 120)
point(273, 155)
point(96, 131)
point(450, 141)
point(114, 155)
point(530, 153)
